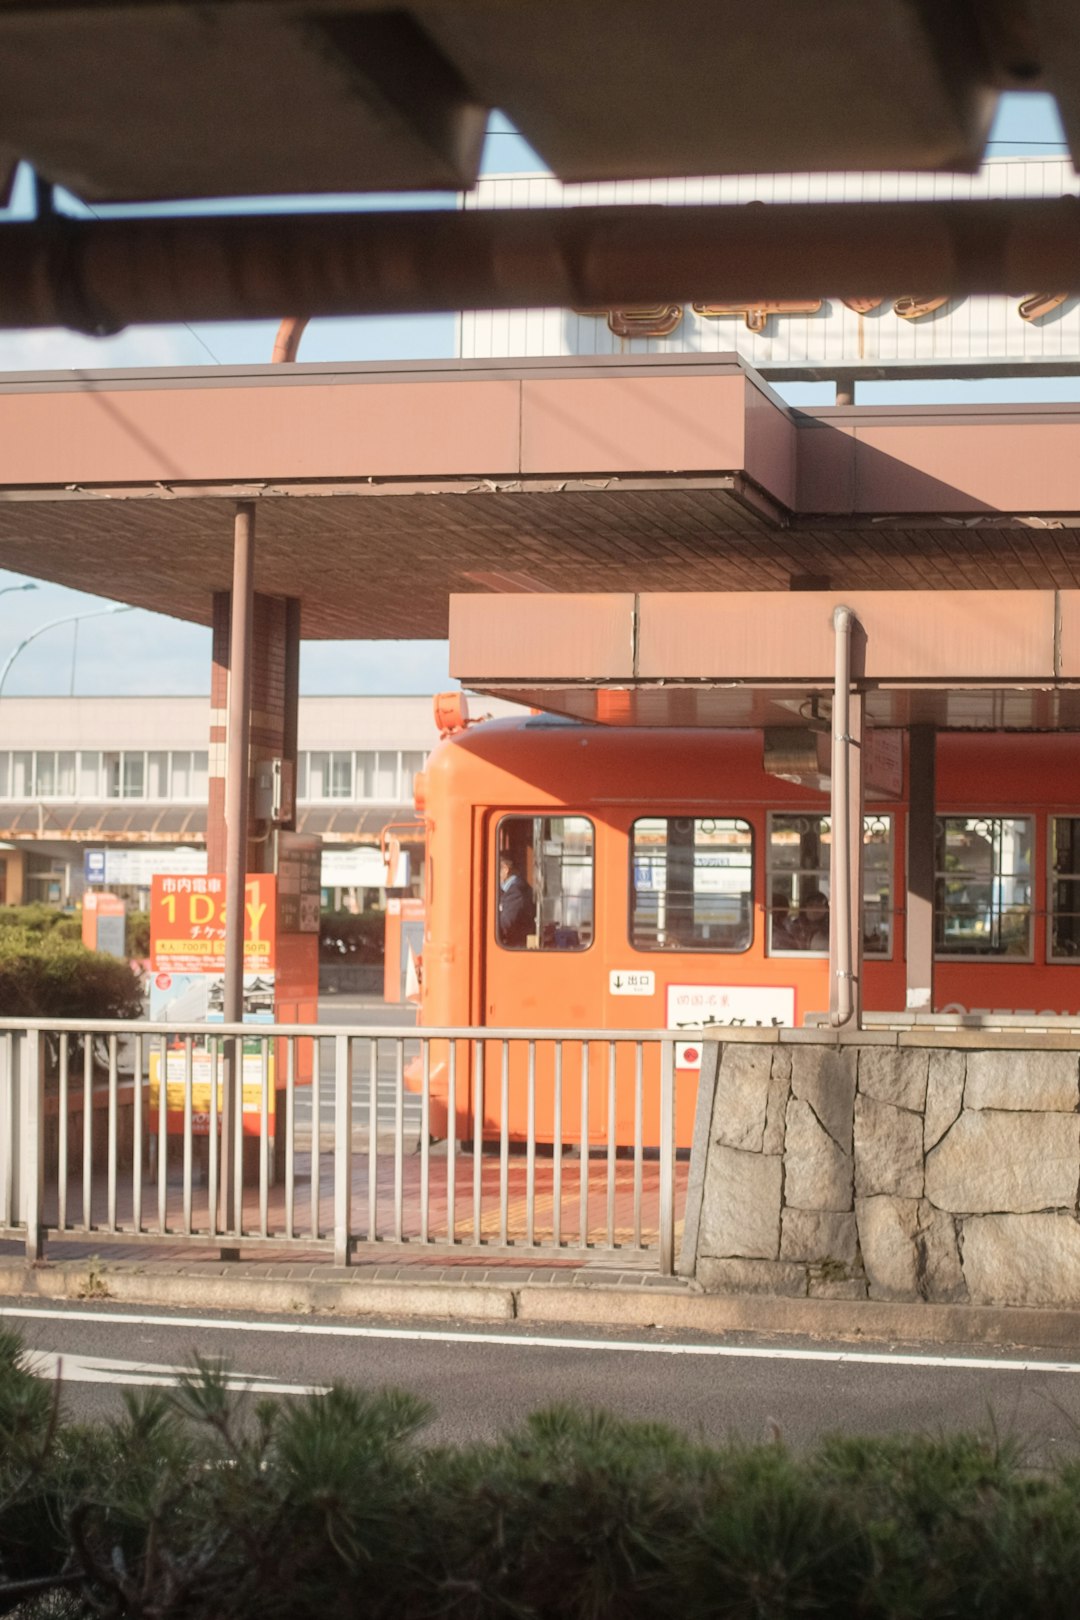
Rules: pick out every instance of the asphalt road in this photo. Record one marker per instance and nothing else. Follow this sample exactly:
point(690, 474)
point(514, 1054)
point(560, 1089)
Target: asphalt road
point(367, 1013)
point(482, 1381)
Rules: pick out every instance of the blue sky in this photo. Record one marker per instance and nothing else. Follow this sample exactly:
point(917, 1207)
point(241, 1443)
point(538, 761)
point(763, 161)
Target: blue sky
point(146, 652)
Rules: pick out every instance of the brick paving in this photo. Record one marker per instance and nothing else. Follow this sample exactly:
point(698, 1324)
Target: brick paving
point(395, 1249)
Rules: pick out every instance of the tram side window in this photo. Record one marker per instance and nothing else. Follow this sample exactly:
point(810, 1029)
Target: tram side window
point(982, 904)
point(692, 884)
point(798, 883)
point(1065, 888)
point(545, 883)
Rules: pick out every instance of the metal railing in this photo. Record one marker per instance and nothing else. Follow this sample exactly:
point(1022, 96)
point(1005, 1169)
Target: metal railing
point(494, 1141)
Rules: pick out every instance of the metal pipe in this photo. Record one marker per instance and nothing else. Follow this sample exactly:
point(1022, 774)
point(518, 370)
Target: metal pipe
point(287, 341)
point(95, 275)
point(237, 769)
point(841, 1000)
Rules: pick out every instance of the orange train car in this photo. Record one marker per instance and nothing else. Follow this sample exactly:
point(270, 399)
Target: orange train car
point(595, 877)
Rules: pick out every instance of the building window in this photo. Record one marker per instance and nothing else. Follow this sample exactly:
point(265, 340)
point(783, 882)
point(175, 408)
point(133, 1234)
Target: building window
point(90, 776)
point(1064, 888)
point(411, 765)
point(125, 775)
point(691, 884)
point(386, 776)
point(983, 886)
point(157, 776)
point(377, 775)
point(22, 775)
point(330, 775)
point(187, 775)
point(798, 885)
point(365, 776)
point(544, 883)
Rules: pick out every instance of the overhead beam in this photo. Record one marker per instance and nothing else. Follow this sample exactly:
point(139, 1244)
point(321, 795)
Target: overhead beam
point(100, 275)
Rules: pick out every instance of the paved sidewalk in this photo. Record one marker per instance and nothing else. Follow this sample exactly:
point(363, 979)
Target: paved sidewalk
point(589, 1298)
point(590, 1205)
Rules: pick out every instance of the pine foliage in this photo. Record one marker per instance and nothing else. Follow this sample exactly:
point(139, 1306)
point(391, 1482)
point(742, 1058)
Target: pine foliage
point(200, 1503)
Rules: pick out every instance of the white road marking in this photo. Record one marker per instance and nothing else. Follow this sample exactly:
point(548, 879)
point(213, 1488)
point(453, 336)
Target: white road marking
point(74, 1369)
point(735, 1352)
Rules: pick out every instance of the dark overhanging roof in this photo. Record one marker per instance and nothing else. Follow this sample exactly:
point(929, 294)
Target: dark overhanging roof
point(174, 100)
point(215, 98)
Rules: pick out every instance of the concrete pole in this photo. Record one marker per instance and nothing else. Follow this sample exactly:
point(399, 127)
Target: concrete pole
point(237, 772)
point(922, 762)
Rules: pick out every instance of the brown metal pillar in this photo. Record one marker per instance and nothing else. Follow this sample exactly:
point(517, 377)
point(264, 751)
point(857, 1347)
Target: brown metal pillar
point(846, 821)
point(921, 839)
point(290, 725)
point(237, 774)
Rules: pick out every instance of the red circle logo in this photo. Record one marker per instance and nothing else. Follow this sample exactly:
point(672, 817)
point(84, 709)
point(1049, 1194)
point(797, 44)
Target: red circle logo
point(163, 981)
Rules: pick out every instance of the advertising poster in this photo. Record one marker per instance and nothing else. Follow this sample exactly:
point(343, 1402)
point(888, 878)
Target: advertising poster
point(187, 980)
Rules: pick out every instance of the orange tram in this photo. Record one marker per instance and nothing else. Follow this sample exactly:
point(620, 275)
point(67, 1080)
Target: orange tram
point(593, 877)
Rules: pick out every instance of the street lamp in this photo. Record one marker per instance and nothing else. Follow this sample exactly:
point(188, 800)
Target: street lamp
point(72, 618)
point(29, 585)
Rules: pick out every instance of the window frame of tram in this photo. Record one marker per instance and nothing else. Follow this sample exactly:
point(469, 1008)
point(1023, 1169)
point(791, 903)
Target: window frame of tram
point(993, 909)
point(795, 881)
point(680, 858)
point(1063, 880)
point(564, 918)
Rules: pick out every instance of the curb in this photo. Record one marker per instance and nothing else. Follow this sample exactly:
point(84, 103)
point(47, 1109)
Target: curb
point(596, 1305)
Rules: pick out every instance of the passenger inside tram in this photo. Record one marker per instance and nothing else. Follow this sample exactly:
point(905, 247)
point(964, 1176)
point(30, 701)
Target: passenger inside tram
point(809, 929)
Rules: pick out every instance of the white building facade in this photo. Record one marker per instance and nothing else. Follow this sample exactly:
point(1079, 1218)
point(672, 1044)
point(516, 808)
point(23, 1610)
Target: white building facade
point(126, 778)
point(904, 328)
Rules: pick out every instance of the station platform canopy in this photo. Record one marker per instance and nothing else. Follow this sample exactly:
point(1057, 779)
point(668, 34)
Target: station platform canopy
point(961, 660)
point(380, 492)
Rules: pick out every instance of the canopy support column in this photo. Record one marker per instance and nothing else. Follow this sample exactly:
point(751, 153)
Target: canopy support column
point(237, 774)
point(919, 900)
point(845, 910)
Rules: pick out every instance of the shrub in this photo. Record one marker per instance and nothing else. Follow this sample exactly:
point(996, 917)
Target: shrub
point(40, 920)
point(201, 1503)
point(46, 976)
point(138, 935)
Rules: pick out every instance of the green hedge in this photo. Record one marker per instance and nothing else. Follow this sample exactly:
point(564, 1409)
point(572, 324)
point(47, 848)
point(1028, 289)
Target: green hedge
point(199, 1503)
point(41, 921)
point(44, 975)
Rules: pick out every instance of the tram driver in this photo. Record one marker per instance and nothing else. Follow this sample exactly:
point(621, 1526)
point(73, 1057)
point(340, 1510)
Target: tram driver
point(517, 911)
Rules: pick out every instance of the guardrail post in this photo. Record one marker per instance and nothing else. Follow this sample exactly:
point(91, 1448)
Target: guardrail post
point(667, 1158)
point(342, 1148)
point(9, 1114)
point(32, 1143)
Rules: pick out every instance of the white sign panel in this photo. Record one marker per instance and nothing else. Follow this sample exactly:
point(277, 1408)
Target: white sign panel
point(908, 326)
point(140, 866)
point(633, 982)
point(708, 1006)
point(361, 867)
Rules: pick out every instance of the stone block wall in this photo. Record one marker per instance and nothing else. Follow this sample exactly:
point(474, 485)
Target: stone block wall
point(884, 1171)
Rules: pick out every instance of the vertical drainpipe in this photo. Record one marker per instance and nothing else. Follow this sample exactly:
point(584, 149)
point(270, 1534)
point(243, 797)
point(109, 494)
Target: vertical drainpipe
point(841, 997)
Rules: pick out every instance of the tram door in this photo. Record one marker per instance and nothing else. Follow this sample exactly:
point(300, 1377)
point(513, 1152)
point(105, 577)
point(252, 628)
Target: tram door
point(540, 970)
